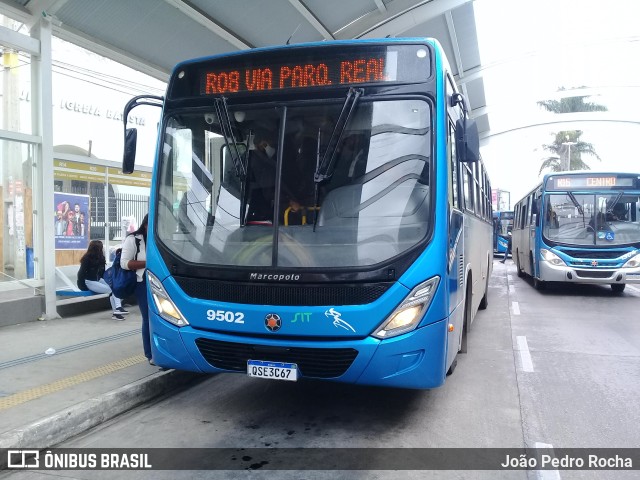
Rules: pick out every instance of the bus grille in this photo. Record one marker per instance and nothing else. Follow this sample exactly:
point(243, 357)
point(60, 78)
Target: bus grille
point(593, 273)
point(595, 254)
point(285, 295)
point(312, 362)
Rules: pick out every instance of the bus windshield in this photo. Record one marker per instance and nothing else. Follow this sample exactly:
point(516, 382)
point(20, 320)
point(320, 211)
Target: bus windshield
point(592, 219)
point(503, 222)
point(255, 203)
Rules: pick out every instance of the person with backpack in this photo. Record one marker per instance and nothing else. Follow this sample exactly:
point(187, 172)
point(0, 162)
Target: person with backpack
point(134, 257)
point(90, 275)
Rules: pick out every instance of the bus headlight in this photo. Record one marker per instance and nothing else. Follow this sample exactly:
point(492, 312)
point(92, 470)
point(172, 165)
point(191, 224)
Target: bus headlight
point(551, 257)
point(166, 308)
point(409, 313)
point(633, 262)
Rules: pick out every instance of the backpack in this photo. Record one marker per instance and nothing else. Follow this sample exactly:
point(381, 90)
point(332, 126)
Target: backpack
point(122, 282)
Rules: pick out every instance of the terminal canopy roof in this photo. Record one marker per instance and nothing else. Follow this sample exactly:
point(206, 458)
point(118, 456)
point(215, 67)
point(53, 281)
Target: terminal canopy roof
point(152, 36)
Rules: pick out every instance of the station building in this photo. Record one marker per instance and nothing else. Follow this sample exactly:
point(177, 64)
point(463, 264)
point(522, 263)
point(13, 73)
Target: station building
point(61, 140)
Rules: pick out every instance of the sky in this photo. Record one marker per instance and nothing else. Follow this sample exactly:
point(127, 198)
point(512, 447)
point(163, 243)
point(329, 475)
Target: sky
point(529, 51)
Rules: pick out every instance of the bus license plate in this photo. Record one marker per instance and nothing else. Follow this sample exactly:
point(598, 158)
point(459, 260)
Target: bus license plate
point(273, 370)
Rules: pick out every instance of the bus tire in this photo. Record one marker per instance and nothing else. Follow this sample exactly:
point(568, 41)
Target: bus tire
point(484, 303)
point(453, 366)
point(518, 269)
point(618, 287)
point(466, 321)
point(538, 284)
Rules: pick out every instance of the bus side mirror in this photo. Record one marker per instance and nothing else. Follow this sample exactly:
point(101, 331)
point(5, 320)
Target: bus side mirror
point(131, 134)
point(129, 158)
point(467, 140)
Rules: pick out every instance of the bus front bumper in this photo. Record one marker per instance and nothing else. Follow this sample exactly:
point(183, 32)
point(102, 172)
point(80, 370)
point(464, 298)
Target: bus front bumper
point(597, 275)
point(413, 360)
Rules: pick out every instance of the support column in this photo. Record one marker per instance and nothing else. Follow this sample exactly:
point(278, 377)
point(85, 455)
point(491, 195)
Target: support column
point(42, 113)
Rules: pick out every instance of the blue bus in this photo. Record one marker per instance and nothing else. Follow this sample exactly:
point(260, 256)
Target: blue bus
point(580, 227)
point(312, 211)
point(502, 226)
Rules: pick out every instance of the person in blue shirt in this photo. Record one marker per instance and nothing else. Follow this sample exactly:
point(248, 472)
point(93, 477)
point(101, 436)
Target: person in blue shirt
point(508, 250)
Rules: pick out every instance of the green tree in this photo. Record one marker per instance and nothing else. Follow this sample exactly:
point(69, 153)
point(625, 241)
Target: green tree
point(568, 142)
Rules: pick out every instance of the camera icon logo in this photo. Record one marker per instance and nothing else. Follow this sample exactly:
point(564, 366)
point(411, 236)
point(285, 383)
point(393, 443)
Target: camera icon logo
point(23, 459)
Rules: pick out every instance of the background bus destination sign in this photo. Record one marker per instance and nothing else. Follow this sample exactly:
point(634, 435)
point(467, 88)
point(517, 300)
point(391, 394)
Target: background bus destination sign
point(322, 69)
point(564, 182)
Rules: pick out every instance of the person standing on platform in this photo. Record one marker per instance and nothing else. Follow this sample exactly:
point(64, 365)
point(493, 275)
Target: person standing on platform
point(90, 275)
point(134, 257)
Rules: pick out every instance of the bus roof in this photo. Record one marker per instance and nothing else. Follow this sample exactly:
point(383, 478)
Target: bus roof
point(369, 41)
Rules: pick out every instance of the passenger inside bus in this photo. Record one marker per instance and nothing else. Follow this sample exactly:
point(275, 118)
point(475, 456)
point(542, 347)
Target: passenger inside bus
point(261, 177)
point(552, 217)
point(299, 165)
point(617, 213)
point(598, 223)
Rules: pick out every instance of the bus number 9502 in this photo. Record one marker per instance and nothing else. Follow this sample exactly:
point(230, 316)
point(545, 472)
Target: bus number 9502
point(225, 316)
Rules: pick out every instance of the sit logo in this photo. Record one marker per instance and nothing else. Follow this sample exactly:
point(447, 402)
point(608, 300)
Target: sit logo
point(302, 317)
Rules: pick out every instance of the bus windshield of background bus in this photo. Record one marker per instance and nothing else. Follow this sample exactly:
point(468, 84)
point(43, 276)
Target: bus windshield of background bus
point(602, 218)
point(375, 205)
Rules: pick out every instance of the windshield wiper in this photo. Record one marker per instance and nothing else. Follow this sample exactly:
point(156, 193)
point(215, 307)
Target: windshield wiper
point(243, 181)
point(324, 167)
point(615, 200)
point(239, 163)
point(576, 203)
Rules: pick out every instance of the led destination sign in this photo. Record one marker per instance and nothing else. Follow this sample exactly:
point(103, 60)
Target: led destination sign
point(299, 68)
point(573, 182)
point(361, 70)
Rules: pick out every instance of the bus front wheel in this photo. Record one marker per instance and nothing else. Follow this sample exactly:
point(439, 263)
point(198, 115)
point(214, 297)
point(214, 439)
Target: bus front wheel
point(518, 269)
point(618, 287)
point(466, 321)
point(484, 302)
point(453, 366)
point(538, 284)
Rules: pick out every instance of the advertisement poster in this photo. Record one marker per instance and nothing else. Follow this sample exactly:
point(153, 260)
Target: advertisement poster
point(71, 218)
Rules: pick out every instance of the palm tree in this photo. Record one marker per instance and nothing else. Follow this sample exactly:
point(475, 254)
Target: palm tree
point(568, 142)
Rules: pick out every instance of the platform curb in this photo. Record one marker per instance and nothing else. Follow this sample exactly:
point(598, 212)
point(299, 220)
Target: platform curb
point(72, 421)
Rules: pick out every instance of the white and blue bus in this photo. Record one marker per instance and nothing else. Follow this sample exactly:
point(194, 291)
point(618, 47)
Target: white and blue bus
point(317, 211)
point(502, 226)
point(581, 227)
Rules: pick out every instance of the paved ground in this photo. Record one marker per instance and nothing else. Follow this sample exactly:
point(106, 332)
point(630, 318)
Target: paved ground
point(89, 365)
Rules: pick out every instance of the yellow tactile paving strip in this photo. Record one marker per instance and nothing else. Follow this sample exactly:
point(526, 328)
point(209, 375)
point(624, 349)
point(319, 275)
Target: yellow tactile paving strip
point(37, 392)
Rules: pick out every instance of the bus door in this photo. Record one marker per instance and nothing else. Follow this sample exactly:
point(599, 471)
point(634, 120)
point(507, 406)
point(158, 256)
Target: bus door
point(524, 252)
point(496, 231)
point(533, 223)
point(455, 268)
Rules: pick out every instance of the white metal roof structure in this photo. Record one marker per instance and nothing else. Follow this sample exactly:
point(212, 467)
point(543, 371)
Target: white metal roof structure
point(151, 36)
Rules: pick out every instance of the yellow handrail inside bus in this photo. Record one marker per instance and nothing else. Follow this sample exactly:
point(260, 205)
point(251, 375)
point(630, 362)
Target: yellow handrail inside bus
point(304, 214)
